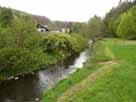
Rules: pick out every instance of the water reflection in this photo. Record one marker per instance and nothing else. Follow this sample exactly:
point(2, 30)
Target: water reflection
point(30, 87)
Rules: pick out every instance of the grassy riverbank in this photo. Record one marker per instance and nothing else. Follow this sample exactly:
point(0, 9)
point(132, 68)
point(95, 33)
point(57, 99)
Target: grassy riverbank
point(109, 76)
point(39, 54)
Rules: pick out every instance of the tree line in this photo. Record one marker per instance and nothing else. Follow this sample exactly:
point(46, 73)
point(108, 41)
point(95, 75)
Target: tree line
point(118, 22)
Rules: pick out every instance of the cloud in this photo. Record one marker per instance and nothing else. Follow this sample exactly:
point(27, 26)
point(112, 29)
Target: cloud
point(66, 10)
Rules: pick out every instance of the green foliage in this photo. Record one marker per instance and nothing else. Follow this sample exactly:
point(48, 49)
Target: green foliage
point(84, 31)
point(113, 15)
point(76, 46)
point(116, 23)
point(23, 49)
point(116, 85)
point(6, 17)
point(63, 44)
point(126, 28)
point(24, 32)
point(19, 60)
point(51, 95)
point(76, 27)
point(96, 27)
point(19, 48)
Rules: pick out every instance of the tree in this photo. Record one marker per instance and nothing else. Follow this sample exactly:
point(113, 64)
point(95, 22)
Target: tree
point(126, 28)
point(113, 15)
point(76, 27)
point(6, 17)
point(23, 29)
point(19, 48)
point(84, 30)
point(116, 23)
point(95, 27)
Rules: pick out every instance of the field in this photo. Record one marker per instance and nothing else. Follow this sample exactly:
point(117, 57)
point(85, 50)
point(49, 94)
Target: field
point(108, 76)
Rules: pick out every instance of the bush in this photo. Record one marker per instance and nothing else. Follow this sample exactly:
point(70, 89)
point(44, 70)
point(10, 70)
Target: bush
point(19, 60)
point(63, 45)
point(19, 47)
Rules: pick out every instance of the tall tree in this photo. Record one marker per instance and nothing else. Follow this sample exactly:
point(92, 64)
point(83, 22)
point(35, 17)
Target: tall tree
point(96, 27)
point(114, 13)
point(126, 28)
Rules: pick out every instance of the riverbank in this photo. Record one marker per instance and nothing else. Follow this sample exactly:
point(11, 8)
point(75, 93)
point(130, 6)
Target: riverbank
point(29, 88)
point(108, 76)
point(47, 50)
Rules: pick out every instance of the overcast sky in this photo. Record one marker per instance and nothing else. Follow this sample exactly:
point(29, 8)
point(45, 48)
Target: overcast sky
point(65, 10)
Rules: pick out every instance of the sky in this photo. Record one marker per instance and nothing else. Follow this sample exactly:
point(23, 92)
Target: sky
point(64, 10)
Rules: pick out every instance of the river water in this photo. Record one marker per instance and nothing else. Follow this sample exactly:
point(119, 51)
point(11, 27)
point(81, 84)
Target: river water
point(30, 87)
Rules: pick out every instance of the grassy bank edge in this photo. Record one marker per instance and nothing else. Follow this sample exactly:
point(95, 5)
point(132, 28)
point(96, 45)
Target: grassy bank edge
point(48, 58)
point(91, 65)
point(114, 84)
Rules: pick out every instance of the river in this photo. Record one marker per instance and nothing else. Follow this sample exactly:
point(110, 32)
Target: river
point(30, 87)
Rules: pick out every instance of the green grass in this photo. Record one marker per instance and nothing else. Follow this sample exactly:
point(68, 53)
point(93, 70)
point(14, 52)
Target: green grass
point(52, 94)
point(118, 85)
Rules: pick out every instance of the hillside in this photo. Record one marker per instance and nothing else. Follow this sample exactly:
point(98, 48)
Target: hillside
point(42, 19)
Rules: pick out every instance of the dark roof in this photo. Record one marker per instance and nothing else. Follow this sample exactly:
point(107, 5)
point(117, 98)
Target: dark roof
point(42, 26)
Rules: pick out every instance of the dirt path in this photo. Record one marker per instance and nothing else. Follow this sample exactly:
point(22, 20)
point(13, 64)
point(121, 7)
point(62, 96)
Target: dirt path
point(107, 68)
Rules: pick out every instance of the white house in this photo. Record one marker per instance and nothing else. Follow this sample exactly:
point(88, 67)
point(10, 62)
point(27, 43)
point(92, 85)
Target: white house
point(42, 28)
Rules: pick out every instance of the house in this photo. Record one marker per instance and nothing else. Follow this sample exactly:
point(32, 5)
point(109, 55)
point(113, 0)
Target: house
point(65, 30)
point(56, 30)
point(42, 28)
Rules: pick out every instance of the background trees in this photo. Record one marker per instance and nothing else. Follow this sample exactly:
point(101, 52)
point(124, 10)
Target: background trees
point(127, 27)
point(96, 27)
point(19, 48)
point(112, 15)
point(120, 21)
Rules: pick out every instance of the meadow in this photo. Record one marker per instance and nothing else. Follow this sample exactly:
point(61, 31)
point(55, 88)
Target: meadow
point(108, 76)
